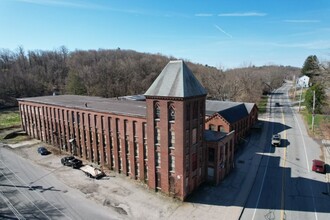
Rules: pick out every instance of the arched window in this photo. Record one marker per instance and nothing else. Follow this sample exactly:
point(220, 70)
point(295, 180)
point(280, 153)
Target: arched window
point(157, 111)
point(171, 114)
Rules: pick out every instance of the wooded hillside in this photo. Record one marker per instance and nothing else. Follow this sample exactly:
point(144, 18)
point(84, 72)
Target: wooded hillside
point(111, 73)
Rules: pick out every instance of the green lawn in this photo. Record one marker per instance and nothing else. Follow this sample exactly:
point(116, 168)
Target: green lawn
point(9, 118)
point(262, 105)
point(317, 120)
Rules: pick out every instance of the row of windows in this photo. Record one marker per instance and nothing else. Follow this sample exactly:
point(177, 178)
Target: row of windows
point(197, 106)
point(171, 112)
point(57, 130)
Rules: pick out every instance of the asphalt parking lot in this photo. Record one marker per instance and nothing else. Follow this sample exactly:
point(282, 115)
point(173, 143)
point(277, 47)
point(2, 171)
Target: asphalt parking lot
point(129, 198)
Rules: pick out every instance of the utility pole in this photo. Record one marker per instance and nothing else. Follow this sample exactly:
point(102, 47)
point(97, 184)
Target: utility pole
point(295, 87)
point(313, 116)
point(301, 91)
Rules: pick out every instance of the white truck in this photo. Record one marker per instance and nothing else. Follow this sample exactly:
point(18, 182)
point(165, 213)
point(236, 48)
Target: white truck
point(276, 140)
point(92, 172)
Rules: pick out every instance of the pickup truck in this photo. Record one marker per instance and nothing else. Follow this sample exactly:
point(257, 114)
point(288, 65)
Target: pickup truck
point(92, 172)
point(276, 140)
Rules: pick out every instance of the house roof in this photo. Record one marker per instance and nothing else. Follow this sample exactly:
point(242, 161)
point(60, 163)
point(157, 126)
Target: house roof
point(210, 135)
point(176, 80)
point(108, 105)
point(231, 111)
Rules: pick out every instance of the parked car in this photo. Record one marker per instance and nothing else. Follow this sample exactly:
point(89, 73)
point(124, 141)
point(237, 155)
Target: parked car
point(43, 151)
point(71, 161)
point(276, 140)
point(277, 104)
point(319, 166)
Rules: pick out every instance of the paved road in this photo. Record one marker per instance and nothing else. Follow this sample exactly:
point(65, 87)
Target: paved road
point(285, 187)
point(28, 191)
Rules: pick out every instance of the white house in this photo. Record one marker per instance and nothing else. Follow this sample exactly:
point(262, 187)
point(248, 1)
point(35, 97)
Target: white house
point(303, 82)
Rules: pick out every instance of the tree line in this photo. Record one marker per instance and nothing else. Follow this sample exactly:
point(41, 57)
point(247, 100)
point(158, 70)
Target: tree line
point(117, 72)
point(319, 82)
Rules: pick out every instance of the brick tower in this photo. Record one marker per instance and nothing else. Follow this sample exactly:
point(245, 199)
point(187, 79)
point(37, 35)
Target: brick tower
point(175, 126)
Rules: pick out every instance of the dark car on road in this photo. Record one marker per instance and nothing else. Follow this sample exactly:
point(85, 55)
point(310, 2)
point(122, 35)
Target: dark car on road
point(43, 151)
point(71, 161)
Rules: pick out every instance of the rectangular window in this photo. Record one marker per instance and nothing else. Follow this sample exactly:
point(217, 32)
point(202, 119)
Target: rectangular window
point(136, 147)
point(172, 163)
point(113, 160)
point(157, 159)
point(137, 170)
point(187, 164)
point(211, 155)
point(120, 164)
point(144, 130)
point(212, 127)
point(125, 126)
point(187, 138)
point(73, 118)
point(127, 147)
point(194, 135)
point(158, 178)
point(128, 165)
point(194, 162)
point(172, 139)
point(145, 151)
point(157, 135)
point(134, 128)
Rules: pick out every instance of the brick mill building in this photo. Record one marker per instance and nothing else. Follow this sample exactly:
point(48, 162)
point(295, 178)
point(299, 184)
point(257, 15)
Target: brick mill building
point(166, 138)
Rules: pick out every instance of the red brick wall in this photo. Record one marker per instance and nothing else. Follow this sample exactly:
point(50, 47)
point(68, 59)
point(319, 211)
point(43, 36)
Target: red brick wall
point(48, 123)
point(223, 159)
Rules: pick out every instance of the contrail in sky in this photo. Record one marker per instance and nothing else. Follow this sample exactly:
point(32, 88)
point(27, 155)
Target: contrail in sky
point(220, 29)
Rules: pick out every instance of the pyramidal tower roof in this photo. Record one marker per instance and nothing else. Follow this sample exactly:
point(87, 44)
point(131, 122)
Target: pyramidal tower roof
point(176, 80)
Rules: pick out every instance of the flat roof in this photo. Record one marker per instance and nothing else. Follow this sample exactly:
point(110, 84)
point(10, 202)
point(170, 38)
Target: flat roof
point(93, 103)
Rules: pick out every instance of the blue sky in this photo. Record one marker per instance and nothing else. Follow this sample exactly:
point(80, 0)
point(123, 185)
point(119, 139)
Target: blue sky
point(220, 33)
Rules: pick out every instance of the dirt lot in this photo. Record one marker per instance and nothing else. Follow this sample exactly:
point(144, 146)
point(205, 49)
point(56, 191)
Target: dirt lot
point(129, 198)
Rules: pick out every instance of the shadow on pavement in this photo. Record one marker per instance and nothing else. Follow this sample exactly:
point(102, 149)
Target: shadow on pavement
point(298, 191)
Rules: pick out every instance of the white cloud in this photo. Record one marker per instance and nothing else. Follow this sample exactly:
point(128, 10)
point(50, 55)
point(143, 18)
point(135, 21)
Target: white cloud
point(302, 21)
point(204, 15)
point(242, 14)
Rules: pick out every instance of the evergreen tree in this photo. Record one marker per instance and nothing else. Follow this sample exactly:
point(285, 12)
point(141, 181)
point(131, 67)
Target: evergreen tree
point(75, 85)
point(311, 66)
point(319, 98)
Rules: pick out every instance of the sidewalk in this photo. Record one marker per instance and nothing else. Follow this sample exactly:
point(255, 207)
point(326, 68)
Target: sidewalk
point(227, 200)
